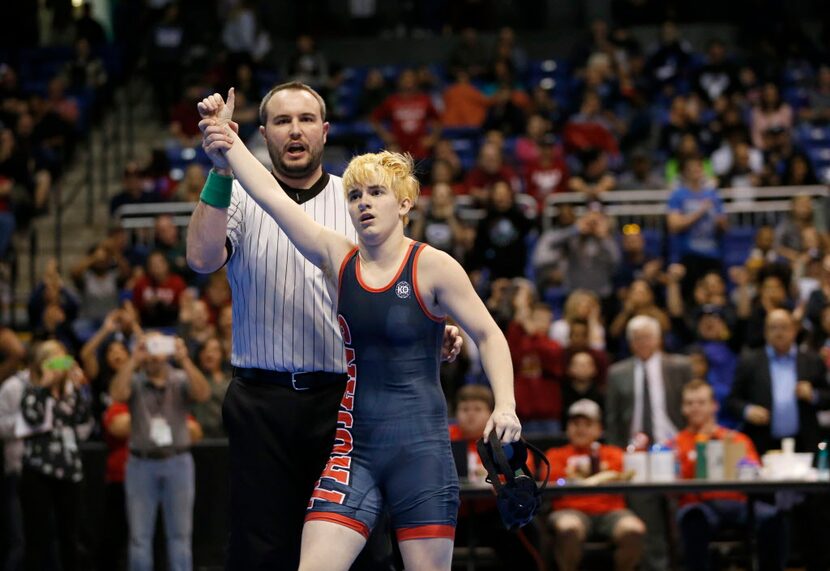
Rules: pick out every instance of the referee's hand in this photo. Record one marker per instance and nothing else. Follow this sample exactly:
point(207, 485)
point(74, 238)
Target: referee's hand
point(452, 343)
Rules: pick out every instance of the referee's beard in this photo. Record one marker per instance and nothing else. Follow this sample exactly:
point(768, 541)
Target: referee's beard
point(287, 173)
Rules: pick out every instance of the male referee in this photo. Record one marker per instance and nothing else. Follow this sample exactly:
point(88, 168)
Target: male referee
point(280, 410)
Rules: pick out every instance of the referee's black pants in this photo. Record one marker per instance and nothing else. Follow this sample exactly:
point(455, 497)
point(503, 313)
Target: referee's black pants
point(280, 440)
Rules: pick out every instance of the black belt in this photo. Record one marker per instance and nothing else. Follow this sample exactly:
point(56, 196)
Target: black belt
point(299, 381)
point(159, 453)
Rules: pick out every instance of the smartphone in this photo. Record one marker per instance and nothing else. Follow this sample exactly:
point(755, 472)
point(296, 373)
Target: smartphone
point(60, 363)
point(163, 345)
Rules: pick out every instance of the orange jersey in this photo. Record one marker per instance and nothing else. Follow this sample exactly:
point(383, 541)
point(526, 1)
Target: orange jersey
point(610, 457)
point(687, 454)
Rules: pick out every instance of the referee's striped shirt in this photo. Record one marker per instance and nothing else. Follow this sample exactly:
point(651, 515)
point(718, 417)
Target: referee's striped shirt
point(283, 317)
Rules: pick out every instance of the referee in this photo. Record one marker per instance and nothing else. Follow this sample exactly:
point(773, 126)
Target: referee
point(281, 408)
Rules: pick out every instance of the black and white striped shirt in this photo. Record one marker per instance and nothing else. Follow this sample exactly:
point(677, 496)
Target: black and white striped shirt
point(283, 316)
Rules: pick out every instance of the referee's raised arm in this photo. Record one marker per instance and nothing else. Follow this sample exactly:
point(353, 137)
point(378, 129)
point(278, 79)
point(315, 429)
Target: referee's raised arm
point(206, 232)
point(207, 229)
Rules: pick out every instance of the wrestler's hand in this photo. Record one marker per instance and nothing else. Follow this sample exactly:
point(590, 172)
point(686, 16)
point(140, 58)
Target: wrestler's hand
point(215, 124)
point(506, 424)
point(452, 343)
point(214, 107)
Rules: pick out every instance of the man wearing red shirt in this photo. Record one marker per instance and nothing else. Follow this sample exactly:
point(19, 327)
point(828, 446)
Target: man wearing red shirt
point(703, 515)
point(577, 517)
point(156, 294)
point(548, 173)
point(537, 362)
point(489, 170)
point(413, 121)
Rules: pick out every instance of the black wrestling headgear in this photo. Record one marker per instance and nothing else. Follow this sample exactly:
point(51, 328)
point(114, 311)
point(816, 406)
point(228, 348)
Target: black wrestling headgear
point(518, 497)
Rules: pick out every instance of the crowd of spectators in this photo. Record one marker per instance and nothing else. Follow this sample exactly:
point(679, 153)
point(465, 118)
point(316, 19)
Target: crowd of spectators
point(493, 132)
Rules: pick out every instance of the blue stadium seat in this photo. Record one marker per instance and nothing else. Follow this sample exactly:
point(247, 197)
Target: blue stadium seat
point(797, 97)
point(653, 239)
point(460, 133)
point(813, 136)
point(737, 243)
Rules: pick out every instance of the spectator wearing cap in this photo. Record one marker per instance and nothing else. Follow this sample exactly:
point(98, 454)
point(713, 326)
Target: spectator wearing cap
point(575, 519)
point(160, 467)
point(702, 516)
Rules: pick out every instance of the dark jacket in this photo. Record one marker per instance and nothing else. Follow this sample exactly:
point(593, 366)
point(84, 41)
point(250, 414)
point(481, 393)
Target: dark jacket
point(753, 385)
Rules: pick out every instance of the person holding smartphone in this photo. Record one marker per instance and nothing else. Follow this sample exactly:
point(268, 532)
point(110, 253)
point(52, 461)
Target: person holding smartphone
point(160, 467)
point(55, 411)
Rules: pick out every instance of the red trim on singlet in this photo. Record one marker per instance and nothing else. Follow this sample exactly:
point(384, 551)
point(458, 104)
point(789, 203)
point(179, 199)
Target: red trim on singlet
point(426, 311)
point(391, 283)
point(426, 532)
point(343, 268)
point(339, 519)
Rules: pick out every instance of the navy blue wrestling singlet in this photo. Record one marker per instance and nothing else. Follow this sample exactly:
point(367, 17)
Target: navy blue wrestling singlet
point(392, 447)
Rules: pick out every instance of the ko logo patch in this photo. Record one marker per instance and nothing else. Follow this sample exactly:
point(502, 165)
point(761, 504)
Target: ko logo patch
point(403, 290)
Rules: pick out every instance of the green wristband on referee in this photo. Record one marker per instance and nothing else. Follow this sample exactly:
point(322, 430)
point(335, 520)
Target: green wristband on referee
point(217, 190)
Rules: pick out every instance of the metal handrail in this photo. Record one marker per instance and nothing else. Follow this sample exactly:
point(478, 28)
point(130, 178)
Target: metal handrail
point(649, 206)
point(652, 203)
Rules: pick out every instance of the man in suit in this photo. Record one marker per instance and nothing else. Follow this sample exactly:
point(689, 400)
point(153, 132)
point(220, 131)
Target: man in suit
point(645, 394)
point(779, 388)
point(666, 375)
point(777, 391)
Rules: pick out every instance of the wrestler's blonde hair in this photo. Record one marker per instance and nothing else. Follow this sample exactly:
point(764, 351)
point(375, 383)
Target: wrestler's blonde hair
point(394, 171)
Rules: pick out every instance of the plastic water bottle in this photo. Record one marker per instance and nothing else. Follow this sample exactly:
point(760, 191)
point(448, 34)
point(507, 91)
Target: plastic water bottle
point(595, 464)
point(823, 462)
point(700, 459)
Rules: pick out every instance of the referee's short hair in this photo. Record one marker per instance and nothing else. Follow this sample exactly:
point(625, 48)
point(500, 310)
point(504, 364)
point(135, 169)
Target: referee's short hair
point(296, 86)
